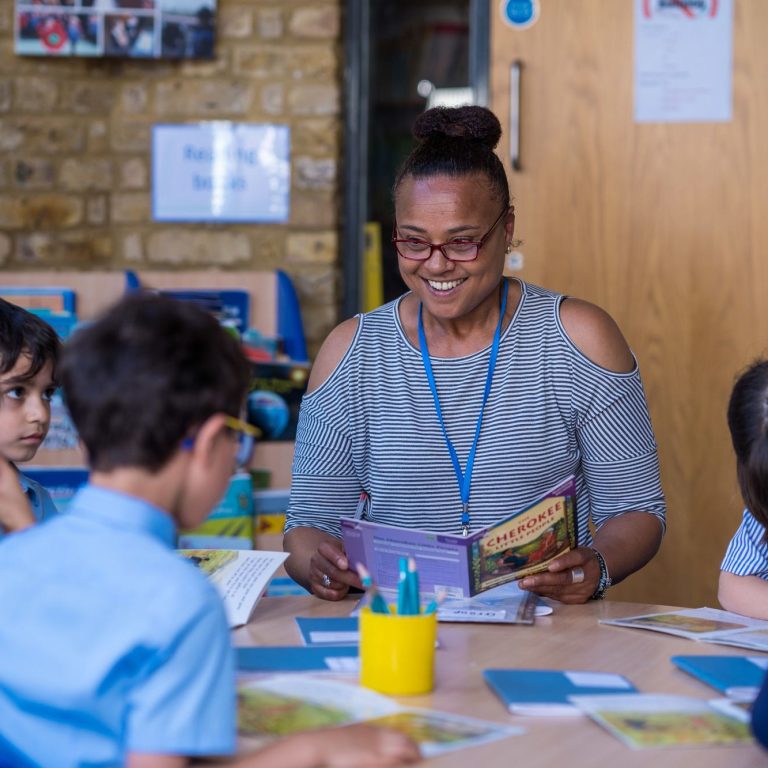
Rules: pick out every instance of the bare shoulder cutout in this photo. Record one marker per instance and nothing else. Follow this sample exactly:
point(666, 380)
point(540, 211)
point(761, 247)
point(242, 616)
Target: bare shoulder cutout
point(331, 352)
point(596, 335)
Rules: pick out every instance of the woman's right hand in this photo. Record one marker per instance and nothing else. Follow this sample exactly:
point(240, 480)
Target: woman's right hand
point(318, 562)
point(330, 575)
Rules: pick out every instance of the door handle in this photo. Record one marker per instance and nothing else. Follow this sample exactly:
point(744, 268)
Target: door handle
point(515, 76)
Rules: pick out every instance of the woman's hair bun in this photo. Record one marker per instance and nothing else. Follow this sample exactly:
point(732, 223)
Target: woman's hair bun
point(471, 123)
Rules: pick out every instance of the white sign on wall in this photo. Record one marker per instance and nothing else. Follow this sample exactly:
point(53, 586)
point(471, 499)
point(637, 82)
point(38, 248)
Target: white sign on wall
point(221, 171)
point(683, 60)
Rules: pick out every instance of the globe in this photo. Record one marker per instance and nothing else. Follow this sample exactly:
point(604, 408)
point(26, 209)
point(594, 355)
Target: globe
point(269, 412)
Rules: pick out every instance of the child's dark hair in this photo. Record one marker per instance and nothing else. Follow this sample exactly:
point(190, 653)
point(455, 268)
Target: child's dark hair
point(144, 375)
point(24, 333)
point(456, 141)
point(748, 423)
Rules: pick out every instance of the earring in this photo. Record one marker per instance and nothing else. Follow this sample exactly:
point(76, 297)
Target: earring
point(509, 249)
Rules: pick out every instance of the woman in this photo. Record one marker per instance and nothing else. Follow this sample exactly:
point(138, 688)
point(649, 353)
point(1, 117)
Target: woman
point(471, 395)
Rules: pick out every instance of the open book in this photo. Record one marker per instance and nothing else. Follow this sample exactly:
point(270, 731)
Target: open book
point(239, 575)
point(709, 625)
point(462, 566)
point(282, 704)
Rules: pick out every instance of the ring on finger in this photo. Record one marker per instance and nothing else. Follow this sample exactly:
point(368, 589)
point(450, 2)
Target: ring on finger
point(326, 579)
point(577, 575)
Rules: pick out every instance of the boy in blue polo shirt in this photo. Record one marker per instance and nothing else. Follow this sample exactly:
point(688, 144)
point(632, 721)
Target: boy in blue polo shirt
point(123, 656)
point(29, 352)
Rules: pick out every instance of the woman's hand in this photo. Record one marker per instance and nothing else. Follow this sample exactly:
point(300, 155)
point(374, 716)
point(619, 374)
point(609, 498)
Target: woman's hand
point(317, 561)
point(570, 578)
point(330, 576)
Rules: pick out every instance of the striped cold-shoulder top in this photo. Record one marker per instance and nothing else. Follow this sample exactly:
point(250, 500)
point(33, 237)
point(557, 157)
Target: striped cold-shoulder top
point(552, 412)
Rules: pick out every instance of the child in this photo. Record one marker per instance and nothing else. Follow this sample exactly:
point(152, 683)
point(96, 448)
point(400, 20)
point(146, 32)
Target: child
point(743, 584)
point(124, 656)
point(29, 352)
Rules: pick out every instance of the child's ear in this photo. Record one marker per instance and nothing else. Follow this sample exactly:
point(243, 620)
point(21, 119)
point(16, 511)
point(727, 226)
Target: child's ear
point(208, 436)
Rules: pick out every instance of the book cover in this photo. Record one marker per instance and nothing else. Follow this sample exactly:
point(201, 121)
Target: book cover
point(342, 630)
point(463, 566)
point(240, 576)
point(727, 674)
point(298, 658)
point(645, 721)
point(547, 692)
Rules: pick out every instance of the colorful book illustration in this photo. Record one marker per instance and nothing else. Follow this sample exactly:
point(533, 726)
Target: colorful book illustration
point(547, 691)
point(739, 676)
point(463, 566)
point(239, 575)
point(709, 625)
point(281, 705)
point(298, 658)
point(341, 630)
point(644, 720)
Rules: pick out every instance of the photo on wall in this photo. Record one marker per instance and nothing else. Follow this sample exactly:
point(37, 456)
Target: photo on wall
point(145, 29)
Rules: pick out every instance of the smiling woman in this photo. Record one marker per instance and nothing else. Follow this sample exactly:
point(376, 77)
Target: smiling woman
point(469, 396)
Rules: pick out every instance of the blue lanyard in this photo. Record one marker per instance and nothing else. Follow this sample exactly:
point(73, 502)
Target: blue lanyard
point(464, 479)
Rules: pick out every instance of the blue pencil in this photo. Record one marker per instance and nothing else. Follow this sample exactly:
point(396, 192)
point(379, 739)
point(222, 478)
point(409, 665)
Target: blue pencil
point(414, 600)
point(375, 601)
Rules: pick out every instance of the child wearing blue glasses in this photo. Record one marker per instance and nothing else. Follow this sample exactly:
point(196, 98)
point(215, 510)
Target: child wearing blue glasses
point(124, 658)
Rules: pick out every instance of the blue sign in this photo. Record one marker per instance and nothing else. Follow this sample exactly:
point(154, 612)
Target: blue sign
point(221, 171)
point(520, 13)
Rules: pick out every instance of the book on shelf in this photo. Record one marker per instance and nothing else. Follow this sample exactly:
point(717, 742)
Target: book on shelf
point(231, 523)
point(547, 691)
point(239, 575)
point(523, 543)
point(707, 625)
point(298, 658)
point(282, 704)
point(733, 676)
point(645, 720)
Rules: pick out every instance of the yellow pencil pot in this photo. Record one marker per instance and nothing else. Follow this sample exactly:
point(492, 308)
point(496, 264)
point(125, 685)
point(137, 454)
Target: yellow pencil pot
point(397, 653)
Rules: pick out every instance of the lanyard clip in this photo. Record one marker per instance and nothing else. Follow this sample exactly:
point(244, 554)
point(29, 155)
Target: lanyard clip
point(465, 531)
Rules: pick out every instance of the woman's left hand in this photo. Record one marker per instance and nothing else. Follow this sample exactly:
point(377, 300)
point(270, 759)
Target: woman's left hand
point(571, 578)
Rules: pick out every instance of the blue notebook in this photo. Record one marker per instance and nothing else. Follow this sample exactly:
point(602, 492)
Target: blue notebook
point(331, 631)
point(298, 658)
point(728, 674)
point(547, 691)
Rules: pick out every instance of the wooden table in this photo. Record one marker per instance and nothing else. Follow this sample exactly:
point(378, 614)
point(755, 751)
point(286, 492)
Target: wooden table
point(570, 638)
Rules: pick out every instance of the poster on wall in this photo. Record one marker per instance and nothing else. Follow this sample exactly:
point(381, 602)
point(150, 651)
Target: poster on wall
point(683, 66)
point(147, 29)
point(221, 171)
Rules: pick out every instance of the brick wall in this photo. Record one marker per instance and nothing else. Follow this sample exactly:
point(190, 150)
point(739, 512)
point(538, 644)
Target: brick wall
point(75, 151)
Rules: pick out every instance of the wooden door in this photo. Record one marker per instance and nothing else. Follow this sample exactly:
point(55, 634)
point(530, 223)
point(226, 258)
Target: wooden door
point(663, 225)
